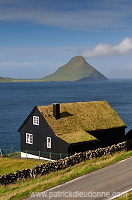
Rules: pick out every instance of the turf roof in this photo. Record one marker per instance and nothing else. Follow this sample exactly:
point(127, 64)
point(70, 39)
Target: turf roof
point(78, 119)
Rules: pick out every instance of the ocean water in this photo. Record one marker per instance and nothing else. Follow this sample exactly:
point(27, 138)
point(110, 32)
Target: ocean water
point(18, 99)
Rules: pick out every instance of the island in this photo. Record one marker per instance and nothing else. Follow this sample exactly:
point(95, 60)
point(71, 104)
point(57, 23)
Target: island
point(77, 69)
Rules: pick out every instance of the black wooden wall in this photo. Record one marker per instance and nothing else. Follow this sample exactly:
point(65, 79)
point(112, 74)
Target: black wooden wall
point(109, 136)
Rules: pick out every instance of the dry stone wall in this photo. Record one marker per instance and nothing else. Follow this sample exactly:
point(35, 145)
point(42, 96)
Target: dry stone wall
point(44, 169)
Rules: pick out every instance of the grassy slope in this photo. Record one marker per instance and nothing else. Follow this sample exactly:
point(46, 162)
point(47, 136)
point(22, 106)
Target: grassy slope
point(11, 165)
point(23, 188)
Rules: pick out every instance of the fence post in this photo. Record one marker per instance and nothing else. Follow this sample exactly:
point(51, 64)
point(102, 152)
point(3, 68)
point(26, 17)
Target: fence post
point(60, 155)
point(50, 155)
point(39, 155)
point(11, 149)
point(0, 152)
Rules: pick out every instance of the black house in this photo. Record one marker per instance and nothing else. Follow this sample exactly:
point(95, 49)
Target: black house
point(58, 130)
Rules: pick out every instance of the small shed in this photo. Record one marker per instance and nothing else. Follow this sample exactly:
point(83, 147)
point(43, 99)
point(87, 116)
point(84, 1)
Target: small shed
point(59, 130)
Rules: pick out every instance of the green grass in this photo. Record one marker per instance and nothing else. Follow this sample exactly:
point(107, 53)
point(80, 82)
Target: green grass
point(23, 188)
point(127, 196)
point(13, 154)
point(11, 165)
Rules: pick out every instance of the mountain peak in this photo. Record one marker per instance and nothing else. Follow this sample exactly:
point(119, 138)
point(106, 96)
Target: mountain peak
point(78, 58)
point(77, 61)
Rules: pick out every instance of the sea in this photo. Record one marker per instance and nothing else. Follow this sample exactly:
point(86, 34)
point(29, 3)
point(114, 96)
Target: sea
point(18, 99)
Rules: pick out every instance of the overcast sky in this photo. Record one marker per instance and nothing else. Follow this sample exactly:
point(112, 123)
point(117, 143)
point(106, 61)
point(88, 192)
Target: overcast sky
point(38, 36)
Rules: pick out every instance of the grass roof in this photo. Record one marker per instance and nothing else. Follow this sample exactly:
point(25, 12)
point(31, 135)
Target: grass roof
point(78, 119)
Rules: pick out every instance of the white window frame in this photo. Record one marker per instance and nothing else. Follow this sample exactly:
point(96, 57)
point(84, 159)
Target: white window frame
point(35, 120)
point(48, 142)
point(29, 138)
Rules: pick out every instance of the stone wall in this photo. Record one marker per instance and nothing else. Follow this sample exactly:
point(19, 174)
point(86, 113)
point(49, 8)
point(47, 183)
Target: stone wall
point(43, 169)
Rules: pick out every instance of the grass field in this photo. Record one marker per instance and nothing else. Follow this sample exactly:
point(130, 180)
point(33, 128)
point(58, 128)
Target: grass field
point(24, 188)
point(8, 164)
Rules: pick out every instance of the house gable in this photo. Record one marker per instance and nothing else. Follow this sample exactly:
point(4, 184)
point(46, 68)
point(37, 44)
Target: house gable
point(43, 137)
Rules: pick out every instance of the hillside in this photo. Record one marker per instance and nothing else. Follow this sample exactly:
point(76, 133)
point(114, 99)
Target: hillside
point(5, 79)
point(77, 69)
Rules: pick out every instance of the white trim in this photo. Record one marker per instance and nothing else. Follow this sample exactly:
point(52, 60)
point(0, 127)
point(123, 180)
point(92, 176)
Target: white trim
point(35, 120)
point(27, 155)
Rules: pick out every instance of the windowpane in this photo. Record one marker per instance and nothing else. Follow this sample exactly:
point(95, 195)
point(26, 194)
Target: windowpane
point(29, 138)
point(35, 120)
point(48, 142)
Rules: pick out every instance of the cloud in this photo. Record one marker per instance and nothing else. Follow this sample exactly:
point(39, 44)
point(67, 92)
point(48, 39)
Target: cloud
point(123, 48)
point(81, 15)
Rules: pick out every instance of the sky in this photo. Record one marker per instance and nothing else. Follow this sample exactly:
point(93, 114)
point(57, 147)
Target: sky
point(38, 36)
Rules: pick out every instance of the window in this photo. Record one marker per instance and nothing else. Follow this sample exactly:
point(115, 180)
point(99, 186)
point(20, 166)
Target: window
point(35, 120)
point(48, 142)
point(29, 138)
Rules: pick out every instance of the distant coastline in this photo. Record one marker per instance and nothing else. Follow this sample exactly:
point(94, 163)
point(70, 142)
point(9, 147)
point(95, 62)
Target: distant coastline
point(7, 79)
point(38, 80)
point(21, 80)
point(41, 80)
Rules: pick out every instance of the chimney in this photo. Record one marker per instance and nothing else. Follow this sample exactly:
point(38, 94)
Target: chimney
point(56, 110)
